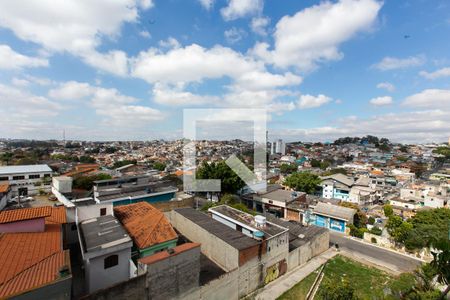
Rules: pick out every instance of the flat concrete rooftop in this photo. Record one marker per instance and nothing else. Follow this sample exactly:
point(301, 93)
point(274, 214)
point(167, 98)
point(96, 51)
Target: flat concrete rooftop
point(102, 232)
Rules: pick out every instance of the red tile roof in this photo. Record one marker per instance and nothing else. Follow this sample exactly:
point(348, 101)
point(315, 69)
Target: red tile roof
point(25, 214)
point(58, 216)
point(20, 251)
point(148, 260)
point(4, 187)
point(146, 225)
point(39, 274)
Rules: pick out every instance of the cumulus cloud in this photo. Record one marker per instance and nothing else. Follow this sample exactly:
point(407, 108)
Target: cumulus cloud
point(386, 86)
point(309, 101)
point(392, 63)
point(430, 98)
point(11, 60)
point(409, 127)
point(207, 4)
point(74, 26)
point(71, 90)
point(444, 72)
point(381, 101)
point(241, 8)
point(191, 63)
point(314, 34)
point(118, 109)
point(145, 34)
point(259, 24)
point(26, 104)
point(234, 35)
point(170, 95)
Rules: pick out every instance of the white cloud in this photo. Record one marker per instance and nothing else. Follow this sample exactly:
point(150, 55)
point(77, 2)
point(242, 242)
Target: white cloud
point(145, 34)
point(71, 90)
point(170, 43)
point(166, 95)
point(11, 60)
point(234, 35)
point(259, 80)
point(393, 63)
point(259, 24)
point(146, 4)
point(23, 104)
point(381, 101)
point(413, 127)
point(207, 4)
point(191, 63)
point(314, 34)
point(309, 101)
point(241, 8)
point(20, 82)
point(75, 26)
point(444, 72)
point(386, 86)
point(430, 98)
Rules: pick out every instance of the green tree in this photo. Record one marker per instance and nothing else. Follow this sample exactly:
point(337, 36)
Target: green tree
point(303, 182)
point(230, 181)
point(441, 263)
point(159, 166)
point(388, 210)
point(287, 168)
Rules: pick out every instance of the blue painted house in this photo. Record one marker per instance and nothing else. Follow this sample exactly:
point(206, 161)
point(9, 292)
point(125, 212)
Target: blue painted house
point(332, 216)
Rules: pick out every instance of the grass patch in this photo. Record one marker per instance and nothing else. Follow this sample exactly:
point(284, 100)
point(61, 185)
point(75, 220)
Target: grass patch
point(368, 282)
point(299, 291)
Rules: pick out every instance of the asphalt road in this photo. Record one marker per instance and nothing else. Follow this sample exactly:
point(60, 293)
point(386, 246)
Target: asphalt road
point(376, 255)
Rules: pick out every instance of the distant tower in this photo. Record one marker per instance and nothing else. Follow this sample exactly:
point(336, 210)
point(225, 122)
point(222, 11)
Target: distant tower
point(64, 137)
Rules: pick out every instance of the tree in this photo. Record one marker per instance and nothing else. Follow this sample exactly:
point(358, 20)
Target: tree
point(287, 168)
point(159, 166)
point(230, 181)
point(337, 290)
point(87, 182)
point(303, 182)
point(388, 210)
point(441, 263)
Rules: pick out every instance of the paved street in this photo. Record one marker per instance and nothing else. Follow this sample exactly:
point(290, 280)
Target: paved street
point(381, 257)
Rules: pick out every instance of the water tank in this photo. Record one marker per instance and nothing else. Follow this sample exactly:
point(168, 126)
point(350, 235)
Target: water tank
point(259, 235)
point(260, 221)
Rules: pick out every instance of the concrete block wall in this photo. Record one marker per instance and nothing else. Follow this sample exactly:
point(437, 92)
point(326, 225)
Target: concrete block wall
point(224, 287)
point(174, 277)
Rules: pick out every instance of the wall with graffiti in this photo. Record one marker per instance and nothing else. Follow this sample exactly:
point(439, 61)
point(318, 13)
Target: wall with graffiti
point(275, 271)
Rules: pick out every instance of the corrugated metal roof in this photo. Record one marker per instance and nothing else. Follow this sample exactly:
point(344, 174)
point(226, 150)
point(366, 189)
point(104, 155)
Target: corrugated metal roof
point(337, 211)
point(230, 236)
point(5, 170)
point(22, 214)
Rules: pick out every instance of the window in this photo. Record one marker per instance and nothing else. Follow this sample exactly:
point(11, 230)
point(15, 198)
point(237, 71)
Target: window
point(34, 176)
point(18, 177)
point(103, 211)
point(4, 178)
point(111, 261)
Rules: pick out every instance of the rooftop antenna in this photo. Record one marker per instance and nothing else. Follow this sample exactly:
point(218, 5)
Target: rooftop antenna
point(64, 136)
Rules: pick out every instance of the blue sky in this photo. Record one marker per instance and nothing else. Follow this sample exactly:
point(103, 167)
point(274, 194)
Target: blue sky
point(126, 69)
